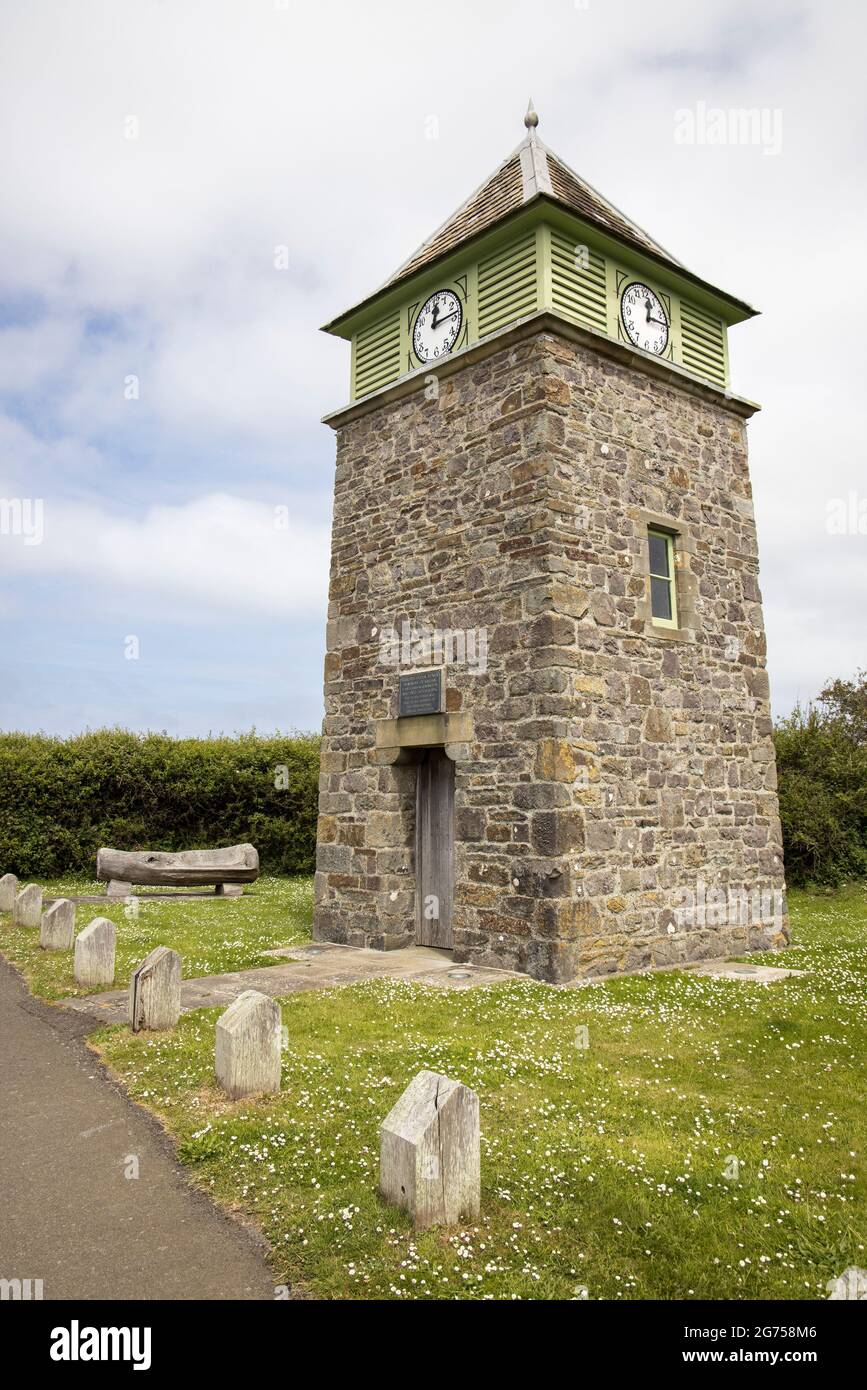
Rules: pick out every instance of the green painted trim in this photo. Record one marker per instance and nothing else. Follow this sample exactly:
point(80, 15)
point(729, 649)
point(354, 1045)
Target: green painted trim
point(661, 273)
point(377, 358)
point(544, 208)
point(579, 281)
point(612, 300)
point(507, 289)
point(406, 353)
point(544, 268)
point(549, 321)
point(472, 307)
point(676, 330)
point(508, 284)
point(671, 577)
point(703, 343)
point(726, 368)
point(458, 284)
point(422, 284)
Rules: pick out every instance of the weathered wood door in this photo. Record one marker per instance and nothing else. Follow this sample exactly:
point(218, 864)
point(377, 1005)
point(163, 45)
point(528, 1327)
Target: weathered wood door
point(435, 849)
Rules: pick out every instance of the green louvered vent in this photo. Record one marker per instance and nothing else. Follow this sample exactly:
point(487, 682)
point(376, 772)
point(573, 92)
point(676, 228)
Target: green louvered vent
point(377, 355)
point(507, 285)
point(703, 343)
point(578, 283)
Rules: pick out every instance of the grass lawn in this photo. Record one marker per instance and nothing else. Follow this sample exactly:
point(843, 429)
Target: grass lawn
point(708, 1144)
point(211, 936)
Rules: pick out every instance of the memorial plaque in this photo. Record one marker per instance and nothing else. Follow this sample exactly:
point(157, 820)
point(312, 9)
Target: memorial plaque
point(421, 693)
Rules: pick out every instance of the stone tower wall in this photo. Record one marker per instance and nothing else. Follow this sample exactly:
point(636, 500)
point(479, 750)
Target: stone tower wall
point(615, 795)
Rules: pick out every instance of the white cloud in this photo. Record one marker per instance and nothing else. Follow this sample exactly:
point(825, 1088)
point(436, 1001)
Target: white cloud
point(218, 558)
point(305, 126)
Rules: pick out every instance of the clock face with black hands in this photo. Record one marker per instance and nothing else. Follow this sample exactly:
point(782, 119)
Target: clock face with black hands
point(644, 319)
point(437, 326)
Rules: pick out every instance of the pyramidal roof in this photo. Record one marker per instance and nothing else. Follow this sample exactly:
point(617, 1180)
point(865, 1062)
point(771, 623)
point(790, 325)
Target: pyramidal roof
point(529, 171)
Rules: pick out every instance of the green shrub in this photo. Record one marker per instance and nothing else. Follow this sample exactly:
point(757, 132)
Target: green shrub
point(61, 799)
point(822, 766)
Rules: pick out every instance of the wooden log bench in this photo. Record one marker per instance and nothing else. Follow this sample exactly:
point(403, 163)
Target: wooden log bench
point(227, 869)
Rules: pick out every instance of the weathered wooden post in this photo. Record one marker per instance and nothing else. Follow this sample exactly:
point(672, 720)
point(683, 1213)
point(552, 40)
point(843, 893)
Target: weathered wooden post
point(248, 1046)
point(28, 906)
point(429, 1151)
point(155, 991)
point(94, 953)
point(851, 1284)
point(58, 926)
point(8, 892)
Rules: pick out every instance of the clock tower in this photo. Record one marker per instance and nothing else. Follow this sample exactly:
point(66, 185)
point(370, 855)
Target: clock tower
point(547, 741)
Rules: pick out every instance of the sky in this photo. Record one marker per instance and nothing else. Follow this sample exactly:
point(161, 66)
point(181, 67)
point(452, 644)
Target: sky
point(192, 187)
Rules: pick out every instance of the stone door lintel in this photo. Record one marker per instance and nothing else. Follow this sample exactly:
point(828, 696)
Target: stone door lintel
point(453, 732)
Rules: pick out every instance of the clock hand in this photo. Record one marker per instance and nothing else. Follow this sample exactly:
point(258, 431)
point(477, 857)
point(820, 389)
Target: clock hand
point(649, 316)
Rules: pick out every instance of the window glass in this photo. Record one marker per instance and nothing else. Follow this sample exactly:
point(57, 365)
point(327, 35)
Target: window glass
point(660, 598)
point(663, 599)
point(658, 553)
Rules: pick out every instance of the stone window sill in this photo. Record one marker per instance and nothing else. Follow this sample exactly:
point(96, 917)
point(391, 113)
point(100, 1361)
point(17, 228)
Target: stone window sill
point(669, 634)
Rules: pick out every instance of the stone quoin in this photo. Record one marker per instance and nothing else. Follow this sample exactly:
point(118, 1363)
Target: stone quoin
point(566, 473)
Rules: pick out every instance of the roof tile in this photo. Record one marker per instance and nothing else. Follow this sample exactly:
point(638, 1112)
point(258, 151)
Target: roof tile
point(507, 190)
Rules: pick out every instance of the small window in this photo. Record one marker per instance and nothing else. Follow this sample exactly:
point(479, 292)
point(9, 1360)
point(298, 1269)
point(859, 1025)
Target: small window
point(663, 597)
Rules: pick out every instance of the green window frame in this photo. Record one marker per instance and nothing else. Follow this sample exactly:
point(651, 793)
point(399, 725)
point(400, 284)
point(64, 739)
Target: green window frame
point(663, 589)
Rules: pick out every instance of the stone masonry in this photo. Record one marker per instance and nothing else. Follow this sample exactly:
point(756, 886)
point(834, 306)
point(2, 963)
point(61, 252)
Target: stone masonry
point(608, 771)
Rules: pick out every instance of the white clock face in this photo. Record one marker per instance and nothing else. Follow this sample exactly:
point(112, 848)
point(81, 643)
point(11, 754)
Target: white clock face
point(644, 319)
point(437, 326)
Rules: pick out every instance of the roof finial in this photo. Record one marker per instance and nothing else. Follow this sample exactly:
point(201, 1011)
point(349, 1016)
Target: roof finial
point(531, 120)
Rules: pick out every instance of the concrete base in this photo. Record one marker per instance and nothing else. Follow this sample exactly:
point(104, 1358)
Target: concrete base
point(744, 970)
point(319, 966)
point(721, 967)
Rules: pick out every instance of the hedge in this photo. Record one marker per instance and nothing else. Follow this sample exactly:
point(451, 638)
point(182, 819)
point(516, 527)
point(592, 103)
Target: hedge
point(822, 767)
point(61, 799)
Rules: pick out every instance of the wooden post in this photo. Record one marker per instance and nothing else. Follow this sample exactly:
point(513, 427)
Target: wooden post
point(155, 991)
point(248, 1046)
point(429, 1151)
point(57, 929)
point(28, 906)
point(8, 892)
point(94, 953)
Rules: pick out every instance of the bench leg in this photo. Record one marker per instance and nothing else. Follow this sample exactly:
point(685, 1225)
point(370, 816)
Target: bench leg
point(228, 890)
point(118, 889)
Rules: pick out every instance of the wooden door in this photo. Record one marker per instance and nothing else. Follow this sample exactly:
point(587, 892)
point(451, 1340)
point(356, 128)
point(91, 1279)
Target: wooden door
point(435, 849)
